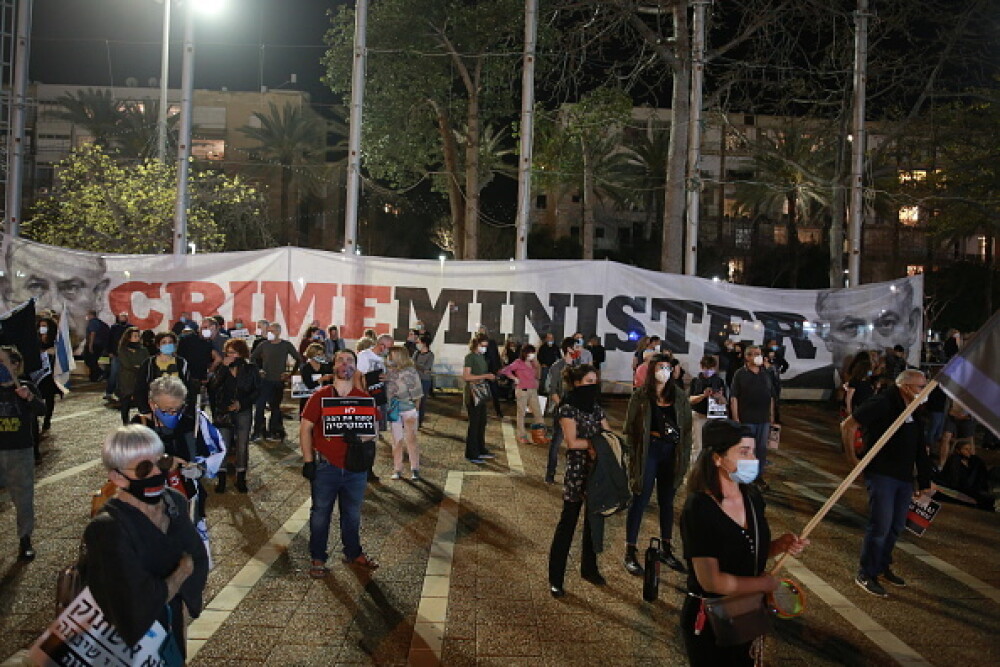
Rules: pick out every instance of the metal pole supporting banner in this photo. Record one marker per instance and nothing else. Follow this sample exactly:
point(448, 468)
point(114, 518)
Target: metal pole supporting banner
point(19, 112)
point(694, 137)
point(161, 121)
point(527, 128)
point(354, 134)
point(856, 212)
point(184, 139)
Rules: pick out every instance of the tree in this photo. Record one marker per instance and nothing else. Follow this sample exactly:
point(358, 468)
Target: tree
point(100, 204)
point(96, 111)
point(293, 140)
point(138, 130)
point(438, 73)
point(792, 172)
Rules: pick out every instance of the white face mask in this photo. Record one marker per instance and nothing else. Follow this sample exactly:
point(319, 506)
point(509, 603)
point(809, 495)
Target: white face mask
point(206, 333)
point(43, 330)
point(531, 357)
point(482, 349)
point(271, 336)
point(663, 375)
point(758, 360)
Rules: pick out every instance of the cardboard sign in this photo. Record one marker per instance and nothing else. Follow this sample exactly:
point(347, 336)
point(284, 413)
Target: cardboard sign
point(81, 635)
point(299, 388)
point(921, 514)
point(241, 334)
point(375, 386)
point(716, 408)
point(349, 414)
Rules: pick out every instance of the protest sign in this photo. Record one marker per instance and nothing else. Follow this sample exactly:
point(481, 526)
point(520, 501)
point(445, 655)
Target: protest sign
point(349, 414)
point(375, 386)
point(920, 515)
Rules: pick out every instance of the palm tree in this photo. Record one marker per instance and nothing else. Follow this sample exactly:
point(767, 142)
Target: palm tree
point(644, 176)
point(293, 139)
point(138, 130)
point(97, 111)
point(792, 170)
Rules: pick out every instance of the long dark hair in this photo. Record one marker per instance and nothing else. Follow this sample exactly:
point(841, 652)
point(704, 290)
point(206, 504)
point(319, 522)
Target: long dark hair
point(669, 392)
point(123, 341)
point(574, 374)
point(718, 436)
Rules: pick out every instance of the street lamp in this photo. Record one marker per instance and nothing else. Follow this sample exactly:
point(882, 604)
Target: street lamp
point(187, 99)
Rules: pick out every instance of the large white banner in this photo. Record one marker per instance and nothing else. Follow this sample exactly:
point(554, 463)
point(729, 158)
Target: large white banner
point(816, 329)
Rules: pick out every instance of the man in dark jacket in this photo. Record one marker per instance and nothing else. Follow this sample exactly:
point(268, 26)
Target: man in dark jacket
point(889, 477)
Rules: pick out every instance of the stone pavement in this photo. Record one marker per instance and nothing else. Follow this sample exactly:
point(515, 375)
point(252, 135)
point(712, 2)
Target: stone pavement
point(463, 553)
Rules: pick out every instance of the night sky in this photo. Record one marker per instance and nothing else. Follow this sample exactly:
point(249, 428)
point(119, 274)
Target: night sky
point(104, 42)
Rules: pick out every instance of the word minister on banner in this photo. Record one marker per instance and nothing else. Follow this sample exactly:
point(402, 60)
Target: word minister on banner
point(349, 414)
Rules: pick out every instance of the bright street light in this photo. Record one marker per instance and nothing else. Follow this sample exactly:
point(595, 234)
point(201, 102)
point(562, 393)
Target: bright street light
point(209, 6)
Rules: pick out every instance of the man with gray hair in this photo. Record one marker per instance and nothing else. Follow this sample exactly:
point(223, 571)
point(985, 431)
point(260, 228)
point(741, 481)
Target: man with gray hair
point(272, 357)
point(889, 476)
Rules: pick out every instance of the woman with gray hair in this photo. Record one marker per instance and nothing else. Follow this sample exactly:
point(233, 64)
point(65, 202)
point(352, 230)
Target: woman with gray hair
point(144, 561)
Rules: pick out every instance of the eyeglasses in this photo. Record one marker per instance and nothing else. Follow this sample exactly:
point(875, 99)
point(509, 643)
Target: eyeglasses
point(171, 411)
point(143, 468)
point(918, 387)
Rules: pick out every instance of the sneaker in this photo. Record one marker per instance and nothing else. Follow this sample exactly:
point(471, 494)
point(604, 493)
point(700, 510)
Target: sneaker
point(487, 455)
point(396, 475)
point(415, 475)
point(363, 561)
point(893, 578)
point(870, 585)
point(25, 551)
point(478, 462)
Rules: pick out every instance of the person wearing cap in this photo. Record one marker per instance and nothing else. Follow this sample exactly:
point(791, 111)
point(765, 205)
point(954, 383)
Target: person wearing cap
point(727, 540)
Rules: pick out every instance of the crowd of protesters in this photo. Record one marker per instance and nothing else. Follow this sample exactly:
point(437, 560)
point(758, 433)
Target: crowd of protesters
point(707, 430)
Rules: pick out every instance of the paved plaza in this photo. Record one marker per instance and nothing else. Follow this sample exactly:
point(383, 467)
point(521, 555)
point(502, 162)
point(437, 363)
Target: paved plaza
point(463, 554)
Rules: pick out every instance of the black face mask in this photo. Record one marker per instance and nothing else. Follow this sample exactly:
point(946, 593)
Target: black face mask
point(148, 490)
point(584, 397)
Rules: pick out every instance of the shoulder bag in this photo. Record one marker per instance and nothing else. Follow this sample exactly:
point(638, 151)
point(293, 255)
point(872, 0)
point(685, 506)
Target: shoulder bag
point(738, 619)
point(360, 454)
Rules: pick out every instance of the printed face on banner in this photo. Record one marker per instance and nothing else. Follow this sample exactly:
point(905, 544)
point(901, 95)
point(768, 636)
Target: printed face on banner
point(874, 317)
point(348, 414)
point(55, 278)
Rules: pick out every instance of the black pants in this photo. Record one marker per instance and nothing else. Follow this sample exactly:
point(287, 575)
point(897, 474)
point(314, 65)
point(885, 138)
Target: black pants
point(475, 437)
point(495, 392)
point(701, 649)
point(125, 404)
point(563, 539)
point(90, 359)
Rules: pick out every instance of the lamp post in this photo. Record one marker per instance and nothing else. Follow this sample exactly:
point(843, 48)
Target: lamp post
point(18, 113)
point(161, 121)
point(187, 109)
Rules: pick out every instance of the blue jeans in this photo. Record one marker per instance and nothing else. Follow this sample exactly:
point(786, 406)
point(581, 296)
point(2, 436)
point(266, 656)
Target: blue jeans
point(761, 432)
point(113, 371)
point(935, 428)
point(557, 438)
point(427, 386)
point(336, 485)
point(888, 503)
point(270, 394)
point(658, 470)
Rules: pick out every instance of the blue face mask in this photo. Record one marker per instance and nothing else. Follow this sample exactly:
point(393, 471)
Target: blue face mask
point(168, 349)
point(5, 375)
point(746, 471)
point(170, 421)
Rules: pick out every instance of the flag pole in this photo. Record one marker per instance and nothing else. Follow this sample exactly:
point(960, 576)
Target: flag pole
point(862, 464)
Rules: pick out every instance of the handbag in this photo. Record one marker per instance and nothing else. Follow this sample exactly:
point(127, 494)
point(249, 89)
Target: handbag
point(360, 454)
point(392, 413)
point(738, 619)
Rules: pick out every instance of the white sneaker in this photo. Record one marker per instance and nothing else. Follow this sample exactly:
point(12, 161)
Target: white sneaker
point(396, 475)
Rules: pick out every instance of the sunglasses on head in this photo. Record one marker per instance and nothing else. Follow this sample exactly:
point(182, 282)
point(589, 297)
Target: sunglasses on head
point(143, 468)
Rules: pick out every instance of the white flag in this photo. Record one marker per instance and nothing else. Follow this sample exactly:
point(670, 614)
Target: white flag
point(65, 363)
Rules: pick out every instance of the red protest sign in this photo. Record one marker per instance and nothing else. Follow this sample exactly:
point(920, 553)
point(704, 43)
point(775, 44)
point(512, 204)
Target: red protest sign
point(348, 414)
point(920, 516)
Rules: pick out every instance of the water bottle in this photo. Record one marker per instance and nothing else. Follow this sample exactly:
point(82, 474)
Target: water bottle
point(651, 574)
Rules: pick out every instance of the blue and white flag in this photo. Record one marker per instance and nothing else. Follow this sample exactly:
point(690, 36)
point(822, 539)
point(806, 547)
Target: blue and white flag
point(65, 363)
point(214, 442)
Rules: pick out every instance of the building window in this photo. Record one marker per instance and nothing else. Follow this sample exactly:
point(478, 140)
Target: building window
point(914, 269)
point(912, 175)
point(541, 201)
point(909, 215)
point(574, 232)
point(576, 198)
point(748, 120)
point(744, 235)
point(735, 270)
point(599, 232)
point(209, 149)
point(624, 235)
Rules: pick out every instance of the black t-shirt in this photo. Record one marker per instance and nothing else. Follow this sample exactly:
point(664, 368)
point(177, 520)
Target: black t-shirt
point(708, 532)
point(548, 354)
point(698, 386)
point(753, 393)
point(863, 390)
point(663, 415)
point(198, 353)
point(16, 415)
point(937, 400)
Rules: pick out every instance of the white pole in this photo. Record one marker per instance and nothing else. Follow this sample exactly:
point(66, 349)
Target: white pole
point(161, 123)
point(694, 137)
point(184, 139)
point(354, 135)
point(527, 128)
point(19, 111)
point(856, 212)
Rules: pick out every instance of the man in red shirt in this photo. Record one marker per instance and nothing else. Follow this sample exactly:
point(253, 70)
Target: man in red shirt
point(331, 482)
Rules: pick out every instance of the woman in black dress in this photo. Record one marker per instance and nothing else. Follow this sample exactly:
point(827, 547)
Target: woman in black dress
point(726, 539)
point(581, 418)
point(144, 559)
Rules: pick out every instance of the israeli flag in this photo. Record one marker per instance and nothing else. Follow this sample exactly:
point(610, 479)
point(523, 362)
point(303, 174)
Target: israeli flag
point(214, 442)
point(65, 363)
